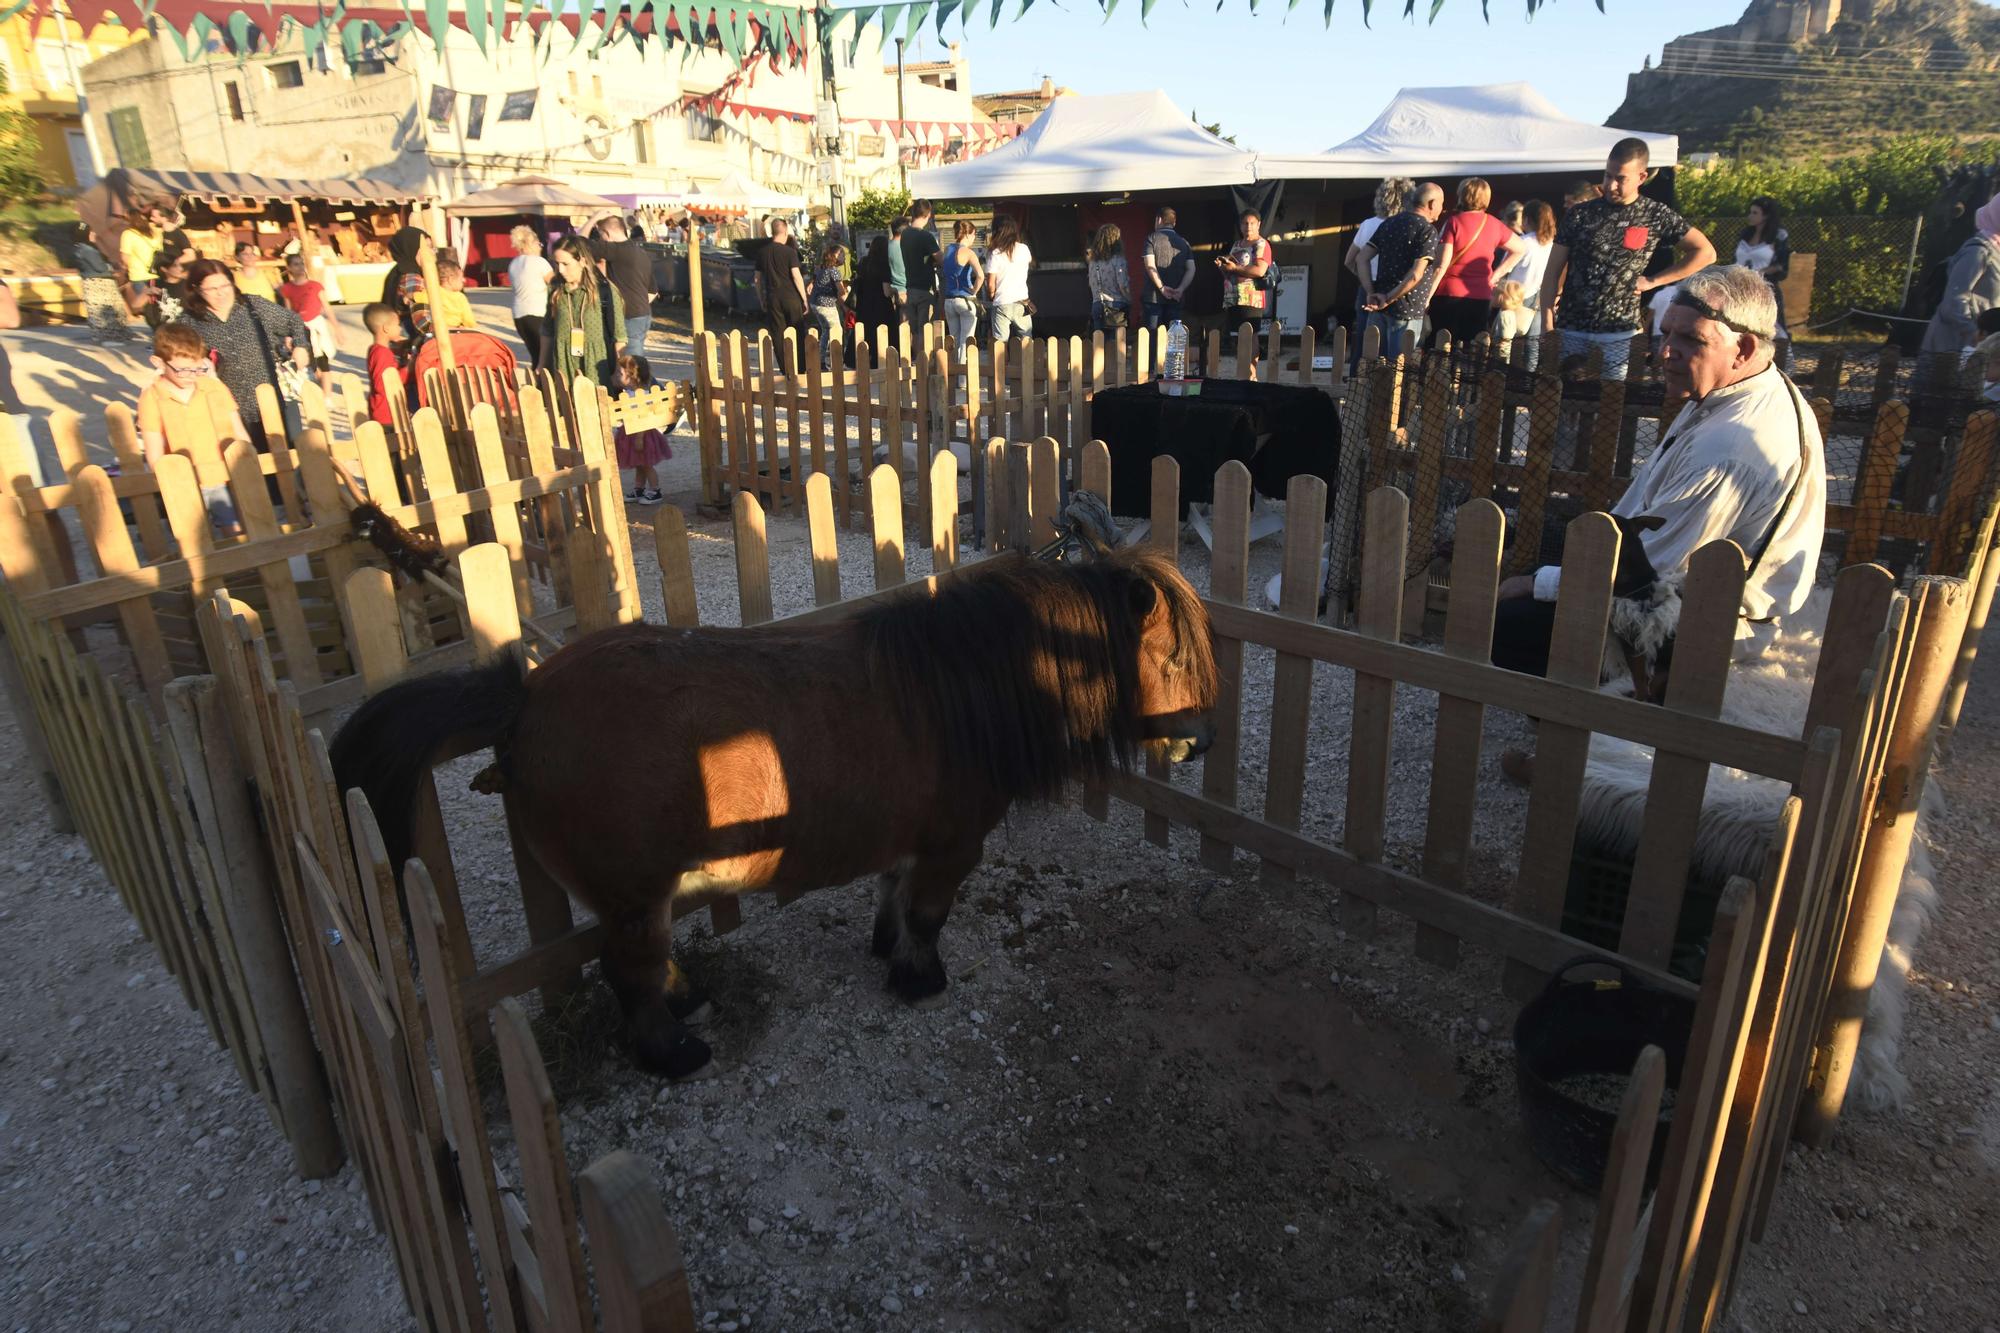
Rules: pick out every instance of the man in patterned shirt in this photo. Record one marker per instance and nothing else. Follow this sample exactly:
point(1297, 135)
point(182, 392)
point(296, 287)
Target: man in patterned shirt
point(1596, 276)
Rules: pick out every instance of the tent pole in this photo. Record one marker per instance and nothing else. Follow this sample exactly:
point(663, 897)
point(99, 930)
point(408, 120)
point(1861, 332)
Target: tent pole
point(695, 306)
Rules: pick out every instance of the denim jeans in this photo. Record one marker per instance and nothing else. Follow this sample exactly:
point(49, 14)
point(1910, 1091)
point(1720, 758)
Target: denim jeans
point(828, 320)
point(636, 328)
point(1617, 349)
point(1159, 314)
point(919, 309)
point(1011, 321)
point(1393, 330)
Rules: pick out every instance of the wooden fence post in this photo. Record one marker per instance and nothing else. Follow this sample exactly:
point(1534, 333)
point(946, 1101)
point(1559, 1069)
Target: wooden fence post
point(1291, 687)
point(219, 790)
point(885, 503)
point(1945, 605)
point(753, 560)
point(642, 1284)
point(1228, 582)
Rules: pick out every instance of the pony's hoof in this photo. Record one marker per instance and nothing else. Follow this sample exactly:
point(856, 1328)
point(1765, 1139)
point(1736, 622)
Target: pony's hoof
point(693, 1007)
point(701, 1015)
point(921, 985)
point(676, 1055)
point(661, 1043)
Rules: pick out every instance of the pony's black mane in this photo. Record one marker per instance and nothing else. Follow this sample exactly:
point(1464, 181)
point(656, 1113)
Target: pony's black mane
point(1026, 672)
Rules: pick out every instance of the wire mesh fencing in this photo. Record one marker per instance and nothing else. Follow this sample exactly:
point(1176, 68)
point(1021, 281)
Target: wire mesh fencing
point(1908, 477)
point(1839, 263)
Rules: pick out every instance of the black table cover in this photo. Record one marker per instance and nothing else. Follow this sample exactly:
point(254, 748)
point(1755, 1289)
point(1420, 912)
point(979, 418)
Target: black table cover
point(1138, 423)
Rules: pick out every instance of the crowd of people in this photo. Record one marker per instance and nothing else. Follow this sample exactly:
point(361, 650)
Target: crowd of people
point(1586, 274)
point(1610, 262)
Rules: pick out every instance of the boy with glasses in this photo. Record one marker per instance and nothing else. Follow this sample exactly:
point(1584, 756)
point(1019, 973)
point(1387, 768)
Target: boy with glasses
point(188, 411)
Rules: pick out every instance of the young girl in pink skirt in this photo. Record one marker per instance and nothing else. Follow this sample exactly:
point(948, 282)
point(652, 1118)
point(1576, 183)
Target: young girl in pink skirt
point(640, 450)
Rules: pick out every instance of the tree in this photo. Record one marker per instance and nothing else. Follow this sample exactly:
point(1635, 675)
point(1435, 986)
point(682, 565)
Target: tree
point(1215, 129)
point(20, 152)
point(876, 209)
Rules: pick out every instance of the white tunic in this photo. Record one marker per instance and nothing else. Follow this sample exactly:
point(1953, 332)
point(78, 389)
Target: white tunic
point(1725, 468)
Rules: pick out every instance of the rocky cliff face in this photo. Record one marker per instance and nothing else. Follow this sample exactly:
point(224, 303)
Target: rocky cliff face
point(1826, 76)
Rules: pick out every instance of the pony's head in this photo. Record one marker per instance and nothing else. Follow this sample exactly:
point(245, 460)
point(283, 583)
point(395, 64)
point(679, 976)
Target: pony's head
point(1032, 675)
point(1176, 678)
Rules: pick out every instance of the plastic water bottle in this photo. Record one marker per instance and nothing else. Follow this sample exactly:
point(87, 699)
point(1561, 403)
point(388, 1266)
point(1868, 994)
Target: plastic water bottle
point(1177, 352)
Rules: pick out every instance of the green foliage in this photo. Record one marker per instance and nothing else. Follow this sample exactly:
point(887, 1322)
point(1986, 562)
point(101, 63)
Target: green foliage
point(1895, 178)
point(20, 150)
point(876, 209)
point(1860, 263)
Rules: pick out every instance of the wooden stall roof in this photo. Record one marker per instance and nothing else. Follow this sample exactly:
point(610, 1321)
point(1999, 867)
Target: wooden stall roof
point(114, 196)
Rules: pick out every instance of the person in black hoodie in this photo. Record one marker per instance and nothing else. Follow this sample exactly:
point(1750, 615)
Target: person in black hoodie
point(406, 277)
point(872, 303)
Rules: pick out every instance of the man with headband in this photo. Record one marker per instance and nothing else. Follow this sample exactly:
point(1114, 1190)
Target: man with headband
point(1743, 460)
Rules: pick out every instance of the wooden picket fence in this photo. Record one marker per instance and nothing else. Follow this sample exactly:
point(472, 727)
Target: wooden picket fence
point(1792, 958)
point(100, 612)
point(398, 1008)
point(399, 1013)
point(912, 398)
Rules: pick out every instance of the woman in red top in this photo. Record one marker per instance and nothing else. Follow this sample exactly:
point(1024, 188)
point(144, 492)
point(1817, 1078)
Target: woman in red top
point(1473, 246)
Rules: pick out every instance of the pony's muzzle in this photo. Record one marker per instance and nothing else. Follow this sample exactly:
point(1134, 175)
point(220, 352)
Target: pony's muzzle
point(1182, 736)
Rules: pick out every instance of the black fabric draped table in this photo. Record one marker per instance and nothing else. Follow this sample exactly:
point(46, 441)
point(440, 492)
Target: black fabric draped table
point(1299, 426)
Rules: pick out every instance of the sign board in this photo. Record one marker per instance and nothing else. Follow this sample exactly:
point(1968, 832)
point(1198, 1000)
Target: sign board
point(872, 145)
point(828, 170)
point(1293, 306)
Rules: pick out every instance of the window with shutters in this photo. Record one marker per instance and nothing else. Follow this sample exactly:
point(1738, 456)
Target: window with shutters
point(128, 137)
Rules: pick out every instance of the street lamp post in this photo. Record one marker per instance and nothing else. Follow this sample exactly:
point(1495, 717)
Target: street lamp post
point(902, 170)
point(64, 17)
point(829, 129)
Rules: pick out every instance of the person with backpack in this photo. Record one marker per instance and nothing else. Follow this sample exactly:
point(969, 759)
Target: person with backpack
point(1244, 269)
point(1169, 270)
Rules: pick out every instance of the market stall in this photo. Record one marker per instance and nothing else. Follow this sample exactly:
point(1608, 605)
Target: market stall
point(1087, 161)
point(550, 206)
point(343, 226)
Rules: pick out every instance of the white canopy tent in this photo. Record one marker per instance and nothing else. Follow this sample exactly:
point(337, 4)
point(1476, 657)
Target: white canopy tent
point(1096, 145)
point(737, 189)
point(1499, 129)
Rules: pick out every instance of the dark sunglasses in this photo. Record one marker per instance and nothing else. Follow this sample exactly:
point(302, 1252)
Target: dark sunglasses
point(1707, 311)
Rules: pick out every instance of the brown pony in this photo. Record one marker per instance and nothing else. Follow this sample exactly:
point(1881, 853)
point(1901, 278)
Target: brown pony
point(650, 770)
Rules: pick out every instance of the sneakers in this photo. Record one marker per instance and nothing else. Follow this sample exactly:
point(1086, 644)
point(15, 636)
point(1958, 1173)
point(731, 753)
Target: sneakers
point(650, 497)
point(633, 495)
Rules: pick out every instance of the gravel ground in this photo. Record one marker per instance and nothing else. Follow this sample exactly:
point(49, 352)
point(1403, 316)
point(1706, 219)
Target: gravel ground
point(1155, 1098)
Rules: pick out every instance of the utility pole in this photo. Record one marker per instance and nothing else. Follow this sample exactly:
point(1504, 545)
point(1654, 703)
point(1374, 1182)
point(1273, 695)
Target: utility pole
point(829, 114)
point(63, 20)
point(902, 170)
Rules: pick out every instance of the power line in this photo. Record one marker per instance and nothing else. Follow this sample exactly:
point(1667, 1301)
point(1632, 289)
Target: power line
point(1872, 70)
point(1922, 58)
point(1753, 69)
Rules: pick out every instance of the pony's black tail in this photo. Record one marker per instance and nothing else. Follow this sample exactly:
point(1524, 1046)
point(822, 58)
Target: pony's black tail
point(394, 738)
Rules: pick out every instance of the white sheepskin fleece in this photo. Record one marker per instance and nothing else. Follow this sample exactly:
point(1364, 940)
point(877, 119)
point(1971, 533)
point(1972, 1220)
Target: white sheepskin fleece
point(1740, 809)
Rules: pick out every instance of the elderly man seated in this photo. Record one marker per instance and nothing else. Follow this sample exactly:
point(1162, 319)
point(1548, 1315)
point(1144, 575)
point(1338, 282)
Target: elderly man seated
point(1743, 460)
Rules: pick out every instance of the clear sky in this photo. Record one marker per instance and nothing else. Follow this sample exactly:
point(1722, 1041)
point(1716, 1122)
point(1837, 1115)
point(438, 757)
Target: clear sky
point(1289, 82)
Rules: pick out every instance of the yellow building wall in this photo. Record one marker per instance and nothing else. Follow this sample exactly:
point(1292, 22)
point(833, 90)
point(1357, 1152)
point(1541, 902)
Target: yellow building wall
point(38, 79)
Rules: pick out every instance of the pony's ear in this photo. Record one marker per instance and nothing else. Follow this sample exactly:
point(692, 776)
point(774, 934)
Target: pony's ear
point(1143, 596)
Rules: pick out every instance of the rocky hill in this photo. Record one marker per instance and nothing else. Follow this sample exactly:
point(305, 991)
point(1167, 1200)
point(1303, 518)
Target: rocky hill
point(1824, 76)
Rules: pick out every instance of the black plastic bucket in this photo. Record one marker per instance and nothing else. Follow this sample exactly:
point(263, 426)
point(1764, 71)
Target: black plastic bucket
point(1591, 1026)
